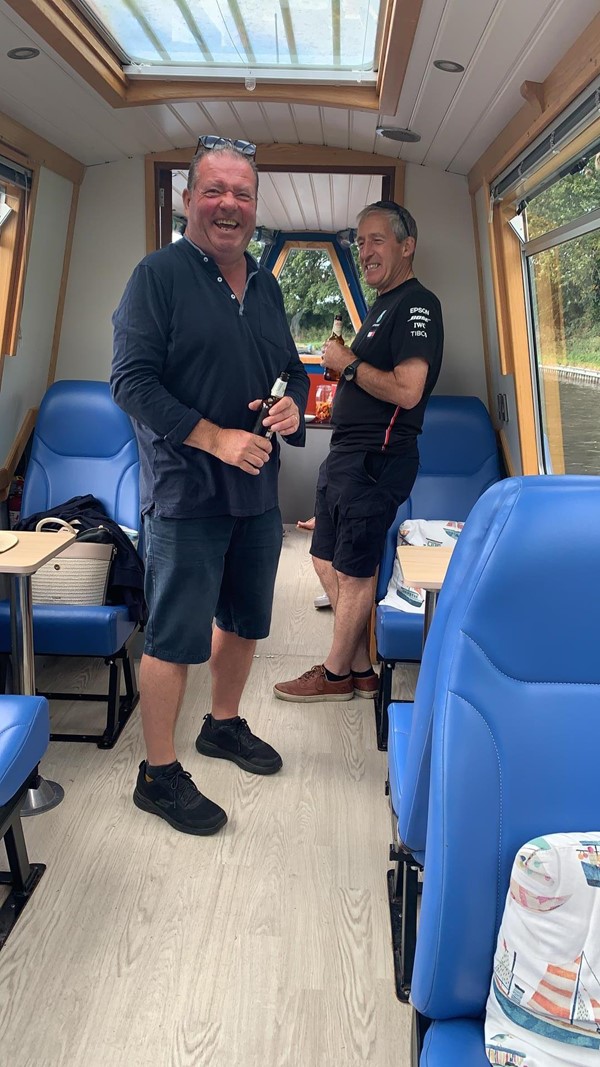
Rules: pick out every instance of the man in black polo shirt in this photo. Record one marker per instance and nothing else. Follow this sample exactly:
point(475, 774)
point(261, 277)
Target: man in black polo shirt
point(200, 336)
point(387, 377)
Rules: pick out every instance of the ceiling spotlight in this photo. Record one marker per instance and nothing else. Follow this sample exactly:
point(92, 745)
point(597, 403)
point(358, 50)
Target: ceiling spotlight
point(396, 133)
point(449, 66)
point(250, 81)
point(23, 53)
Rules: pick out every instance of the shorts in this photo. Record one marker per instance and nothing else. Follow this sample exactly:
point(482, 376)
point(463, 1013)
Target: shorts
point(197, 570)
point(358, 495)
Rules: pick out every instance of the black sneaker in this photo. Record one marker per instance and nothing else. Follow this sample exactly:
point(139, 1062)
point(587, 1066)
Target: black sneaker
point(174, 797)
point(233, 739)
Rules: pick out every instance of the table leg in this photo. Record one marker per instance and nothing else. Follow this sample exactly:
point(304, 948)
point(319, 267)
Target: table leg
point(431, 596)
point(46, 794)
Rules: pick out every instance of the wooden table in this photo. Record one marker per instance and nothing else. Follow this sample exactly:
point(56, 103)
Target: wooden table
point(425, 567)
point(20, 562)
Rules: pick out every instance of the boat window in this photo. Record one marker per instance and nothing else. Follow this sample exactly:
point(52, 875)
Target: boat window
point(562, 261)
point(544, 243)
point(15, 185)
point(257, 38)
point(312, 297)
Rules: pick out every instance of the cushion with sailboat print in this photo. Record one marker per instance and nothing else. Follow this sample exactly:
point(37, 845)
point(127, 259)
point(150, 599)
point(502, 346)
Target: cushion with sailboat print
point(544, 1004)
point(430, 532)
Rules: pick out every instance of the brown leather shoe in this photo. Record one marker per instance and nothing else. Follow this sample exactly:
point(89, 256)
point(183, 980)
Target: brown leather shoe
point(366, 687)
point(314, 685)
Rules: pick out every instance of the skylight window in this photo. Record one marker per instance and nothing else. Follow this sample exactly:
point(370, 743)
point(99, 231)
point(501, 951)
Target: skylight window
point(327, 36)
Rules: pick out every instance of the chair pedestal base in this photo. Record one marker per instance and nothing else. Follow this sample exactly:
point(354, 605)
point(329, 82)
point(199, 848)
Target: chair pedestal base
point(42, 797)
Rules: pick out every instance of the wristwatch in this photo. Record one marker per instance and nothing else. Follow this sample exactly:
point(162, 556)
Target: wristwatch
point(349, 372)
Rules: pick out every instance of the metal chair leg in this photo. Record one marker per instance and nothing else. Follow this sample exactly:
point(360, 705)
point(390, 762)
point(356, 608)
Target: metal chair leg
point(384, 696)
point(403, 881)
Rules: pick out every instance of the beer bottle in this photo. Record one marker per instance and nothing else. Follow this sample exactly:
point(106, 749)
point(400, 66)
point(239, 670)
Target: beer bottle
point(335, 335)
point(277, 391)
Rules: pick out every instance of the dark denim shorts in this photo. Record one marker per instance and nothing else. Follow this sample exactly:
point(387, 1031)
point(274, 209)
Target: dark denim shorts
point(358, 494)
point(197, 570)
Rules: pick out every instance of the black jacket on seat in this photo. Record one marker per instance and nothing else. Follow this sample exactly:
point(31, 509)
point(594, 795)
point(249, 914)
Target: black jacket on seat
point(126, 578)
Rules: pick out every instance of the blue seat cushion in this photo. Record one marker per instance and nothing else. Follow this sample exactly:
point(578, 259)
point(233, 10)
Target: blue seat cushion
point(400, 720)
point(24, 737)
point(73, 630)
point(453, 1042)
point(399, 634)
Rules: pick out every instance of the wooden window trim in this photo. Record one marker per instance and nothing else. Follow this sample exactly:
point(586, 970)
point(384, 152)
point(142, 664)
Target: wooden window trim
point(340, 277)
point(15, 238)
point(513, 329)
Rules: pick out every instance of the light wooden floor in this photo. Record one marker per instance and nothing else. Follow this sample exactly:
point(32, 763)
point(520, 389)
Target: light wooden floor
point(265, 946)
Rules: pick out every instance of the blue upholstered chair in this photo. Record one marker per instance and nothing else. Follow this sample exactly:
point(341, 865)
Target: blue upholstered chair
point(24, 735)
point(458, 461)
point(516, 724)
point(83, 443)
point(409, 758)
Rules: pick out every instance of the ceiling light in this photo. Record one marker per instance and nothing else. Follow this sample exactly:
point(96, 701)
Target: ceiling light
point(23, 53)
point(396, 133)
point(449, 66)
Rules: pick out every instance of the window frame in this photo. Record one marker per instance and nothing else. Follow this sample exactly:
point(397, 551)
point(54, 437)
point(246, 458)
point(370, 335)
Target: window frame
point(15, 237)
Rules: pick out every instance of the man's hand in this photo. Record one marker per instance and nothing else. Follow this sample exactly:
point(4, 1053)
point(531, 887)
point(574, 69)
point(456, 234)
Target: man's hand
point(283, 418)
point(336, 357)
point(238, 448)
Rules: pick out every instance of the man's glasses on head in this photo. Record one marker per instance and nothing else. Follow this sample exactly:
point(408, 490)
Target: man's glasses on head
point(210, 140)
point(391, 205)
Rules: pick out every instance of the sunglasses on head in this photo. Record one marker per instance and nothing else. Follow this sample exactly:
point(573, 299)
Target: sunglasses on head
point(391, 205)
point(210, 140)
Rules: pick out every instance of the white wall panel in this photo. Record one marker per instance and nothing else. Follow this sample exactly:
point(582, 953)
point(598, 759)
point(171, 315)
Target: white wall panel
point(109, 241)
point(445, 262)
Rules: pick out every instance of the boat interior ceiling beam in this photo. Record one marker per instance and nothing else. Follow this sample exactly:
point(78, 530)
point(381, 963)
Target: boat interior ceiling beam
point(163, 90)
point(31, 150)
point(545, 102)
point(76, 41)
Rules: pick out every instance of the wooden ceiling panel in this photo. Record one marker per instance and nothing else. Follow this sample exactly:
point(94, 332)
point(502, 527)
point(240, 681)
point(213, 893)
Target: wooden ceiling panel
point(279, 188)
point(323, 201)
point(308, 123)
point(362, 131)
point(281, 123)
point(177, 133)
point(253, 125)
point(335, 127)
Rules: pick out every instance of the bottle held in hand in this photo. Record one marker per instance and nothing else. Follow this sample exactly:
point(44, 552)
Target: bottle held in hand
point(277, 391)
point(335, 335)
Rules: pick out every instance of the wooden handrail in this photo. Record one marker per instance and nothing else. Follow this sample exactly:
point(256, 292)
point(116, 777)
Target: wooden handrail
point(7, 472)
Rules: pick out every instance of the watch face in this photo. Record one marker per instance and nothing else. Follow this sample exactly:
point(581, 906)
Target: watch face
point(350, 372)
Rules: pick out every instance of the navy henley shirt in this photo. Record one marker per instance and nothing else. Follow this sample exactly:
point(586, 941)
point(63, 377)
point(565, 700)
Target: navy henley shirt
point(186, 349)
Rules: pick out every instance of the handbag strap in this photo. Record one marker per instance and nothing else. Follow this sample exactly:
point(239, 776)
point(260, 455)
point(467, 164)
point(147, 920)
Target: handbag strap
point(49, 521)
